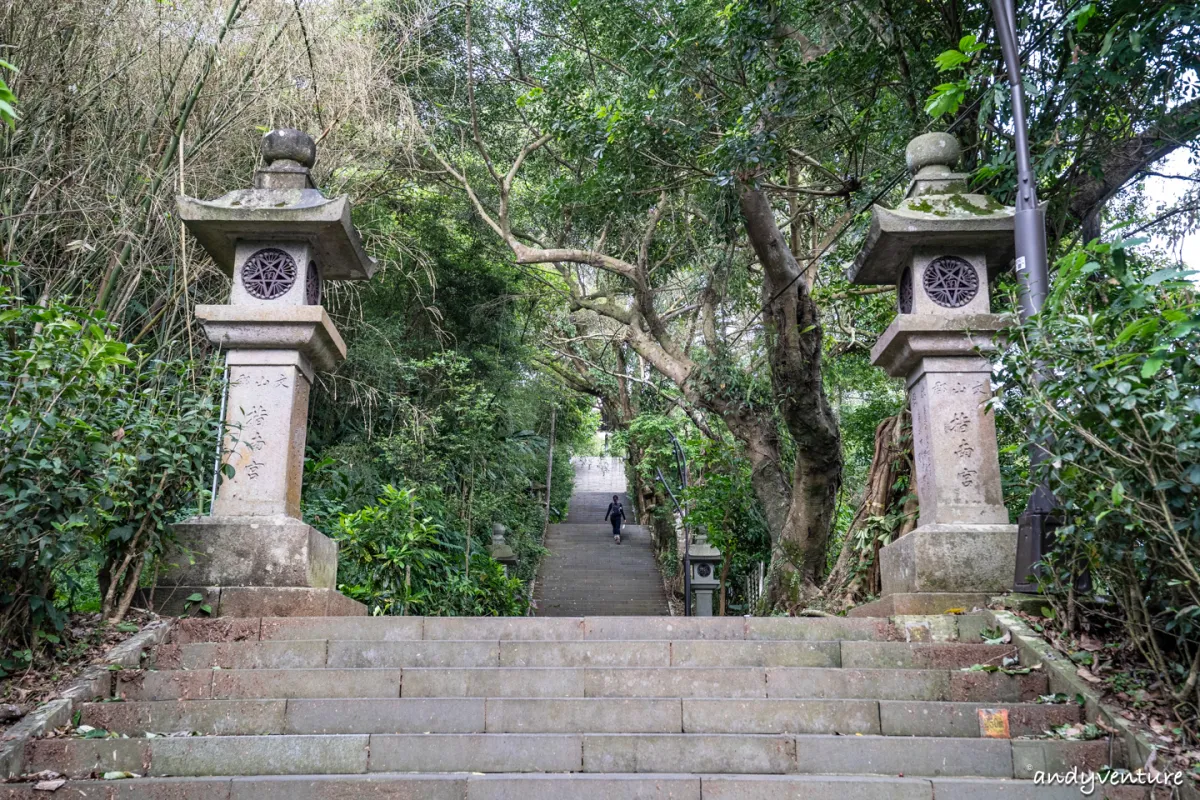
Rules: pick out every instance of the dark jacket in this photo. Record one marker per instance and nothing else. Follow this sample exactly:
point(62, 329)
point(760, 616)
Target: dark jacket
point(616, 511)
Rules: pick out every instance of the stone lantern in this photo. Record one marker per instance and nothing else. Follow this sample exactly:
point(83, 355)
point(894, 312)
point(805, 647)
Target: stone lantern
point(280, 242)
point(499, 549)
point(704, 560)
point(939, 247)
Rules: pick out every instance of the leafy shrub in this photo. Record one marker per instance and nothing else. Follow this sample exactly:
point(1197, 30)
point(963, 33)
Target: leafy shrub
point(1119, 347)
point(398, 559)
point(719, 499)
point(100, 451)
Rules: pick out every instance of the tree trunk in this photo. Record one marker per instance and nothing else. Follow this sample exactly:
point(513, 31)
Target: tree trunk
point(856, 575)
point(772, 485)
point(794, 340)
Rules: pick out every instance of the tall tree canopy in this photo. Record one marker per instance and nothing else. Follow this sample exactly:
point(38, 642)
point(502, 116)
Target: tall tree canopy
point(689, 178)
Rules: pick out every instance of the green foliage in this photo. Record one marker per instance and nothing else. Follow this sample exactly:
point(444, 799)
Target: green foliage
point(443, 399)
point(398, 559)
point(7, 99)
point(720, 500)
point(947, 97)
point(1116, 67)
point(1119, 346)
point(100, 450)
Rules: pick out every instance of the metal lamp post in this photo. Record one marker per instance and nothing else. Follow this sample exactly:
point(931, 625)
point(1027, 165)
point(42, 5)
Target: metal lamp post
point(1035, 527)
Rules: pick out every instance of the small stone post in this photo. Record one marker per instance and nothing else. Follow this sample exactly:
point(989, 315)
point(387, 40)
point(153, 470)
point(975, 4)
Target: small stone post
point(500, 551)
point(938, 247)
point(280, 242)
point(704, 559)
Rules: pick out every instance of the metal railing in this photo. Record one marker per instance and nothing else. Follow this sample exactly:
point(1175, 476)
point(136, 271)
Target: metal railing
point(681, 468)
point(754, 586)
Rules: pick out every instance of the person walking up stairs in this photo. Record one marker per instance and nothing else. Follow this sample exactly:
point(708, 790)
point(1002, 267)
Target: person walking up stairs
point(616, 513)
point(585, 572)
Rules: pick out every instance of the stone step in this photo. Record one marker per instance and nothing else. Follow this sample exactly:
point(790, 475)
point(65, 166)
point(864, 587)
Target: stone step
point(728, 682)
point(410, 786)
point(587, 753)
point(792, 787)
point(568, 715)
point(530, 629)
point(344, 653)
point(904, 655)
point(585, 573)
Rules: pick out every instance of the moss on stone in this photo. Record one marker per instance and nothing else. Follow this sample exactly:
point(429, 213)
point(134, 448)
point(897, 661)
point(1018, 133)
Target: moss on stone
point(961, 202)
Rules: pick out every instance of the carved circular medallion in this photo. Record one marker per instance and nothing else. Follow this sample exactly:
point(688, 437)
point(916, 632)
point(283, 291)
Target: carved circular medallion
point(951, 282)
point(703, 570)
point(904, 293)
point(312, 285)
point(269, 273)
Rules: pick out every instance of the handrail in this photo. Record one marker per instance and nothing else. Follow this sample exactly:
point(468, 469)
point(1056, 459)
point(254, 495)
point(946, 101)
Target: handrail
point(682, 468)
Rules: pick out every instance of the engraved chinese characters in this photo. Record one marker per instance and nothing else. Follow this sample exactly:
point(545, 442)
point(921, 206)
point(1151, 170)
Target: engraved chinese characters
point(266, 408)
point(254, 419)
point(954, 443)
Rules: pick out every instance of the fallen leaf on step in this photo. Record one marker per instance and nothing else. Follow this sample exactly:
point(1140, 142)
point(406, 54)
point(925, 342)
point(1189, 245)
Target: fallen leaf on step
point(1070, 731)
point(49, 786)
point(1087, 675)
point(1150, 761)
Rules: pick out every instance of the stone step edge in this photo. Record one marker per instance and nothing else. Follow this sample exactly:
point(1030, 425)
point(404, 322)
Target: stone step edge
point(202, 684)
point(563, 754)
point(93, 681)
point(590, 627)
point(341, 716)
point(349, 653)
point(597, 786)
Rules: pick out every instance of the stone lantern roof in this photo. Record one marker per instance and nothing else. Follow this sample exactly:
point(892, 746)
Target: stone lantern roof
point(701, 550)
point(284, 205)
point(937, 213)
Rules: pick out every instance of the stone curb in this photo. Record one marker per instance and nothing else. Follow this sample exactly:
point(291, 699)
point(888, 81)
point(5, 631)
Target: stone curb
point(1061, 673)
point(94, 681)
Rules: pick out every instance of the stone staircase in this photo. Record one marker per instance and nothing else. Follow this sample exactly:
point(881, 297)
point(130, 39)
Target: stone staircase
point(561, 708)
point(586, 574)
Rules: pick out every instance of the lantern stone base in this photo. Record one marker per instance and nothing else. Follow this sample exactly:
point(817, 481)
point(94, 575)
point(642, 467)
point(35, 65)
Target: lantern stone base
point(251, 601)
point(950, 558)
point(251, 551)
point(252, 567)
point(922, 604)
